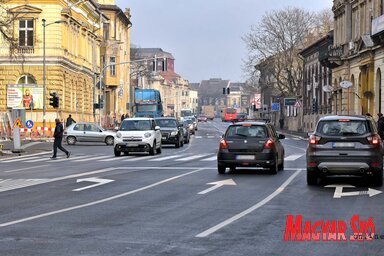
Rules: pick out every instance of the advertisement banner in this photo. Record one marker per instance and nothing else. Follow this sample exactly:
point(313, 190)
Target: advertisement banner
point(25, 96)
point(244, 101)
point(257, 100)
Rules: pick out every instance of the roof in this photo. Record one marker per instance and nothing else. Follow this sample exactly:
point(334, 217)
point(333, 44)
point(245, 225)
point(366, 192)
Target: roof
point(350, 117)
point(170, 76)
point(151, 52)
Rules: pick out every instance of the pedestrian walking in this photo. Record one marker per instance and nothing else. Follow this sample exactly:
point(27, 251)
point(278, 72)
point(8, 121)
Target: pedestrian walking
point(122, 117)
point(127, 115)
point(69, 121)
point(380, 125)
point(58, 135)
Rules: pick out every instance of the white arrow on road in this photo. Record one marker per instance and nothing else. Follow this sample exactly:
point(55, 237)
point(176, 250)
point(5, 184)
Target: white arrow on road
point(98, 182)
point(217, 184)
point(339, 191)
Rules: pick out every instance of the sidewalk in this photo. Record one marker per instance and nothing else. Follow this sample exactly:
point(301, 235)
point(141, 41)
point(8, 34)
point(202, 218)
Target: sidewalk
point(27, 146)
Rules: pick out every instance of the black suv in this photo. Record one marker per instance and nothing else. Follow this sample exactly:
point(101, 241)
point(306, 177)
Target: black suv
point(251, 144)
point(171, 131)
point(345, 145)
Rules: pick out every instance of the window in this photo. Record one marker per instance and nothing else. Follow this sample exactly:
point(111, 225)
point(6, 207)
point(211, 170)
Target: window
point(112, 68)
point(106, 31)
point(26, 79)
point(26, 33)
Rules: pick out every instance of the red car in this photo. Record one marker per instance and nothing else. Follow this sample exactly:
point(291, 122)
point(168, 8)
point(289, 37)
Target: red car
point(202, 118)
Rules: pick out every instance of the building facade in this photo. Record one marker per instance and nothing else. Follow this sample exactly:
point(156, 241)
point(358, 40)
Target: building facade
point(357, 56)
point(71, 59)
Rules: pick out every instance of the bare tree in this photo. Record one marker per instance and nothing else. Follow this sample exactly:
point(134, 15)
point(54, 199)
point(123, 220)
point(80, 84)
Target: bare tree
point(140, 68)
point(278, 38)
point(7, 34)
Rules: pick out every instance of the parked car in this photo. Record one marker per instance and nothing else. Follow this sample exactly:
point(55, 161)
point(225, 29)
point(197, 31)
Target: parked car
point(171, 131)
point(138, 135)
point(186, 132)
point(87, 132)
point(202, 118)
point(251, 144)
point(345, 145)
point(191, 127)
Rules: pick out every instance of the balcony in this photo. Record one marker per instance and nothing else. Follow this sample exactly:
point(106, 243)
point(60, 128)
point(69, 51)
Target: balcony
point(331, 56)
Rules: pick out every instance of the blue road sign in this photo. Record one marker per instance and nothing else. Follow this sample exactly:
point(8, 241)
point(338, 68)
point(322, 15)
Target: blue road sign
point(29, 124)
point(275, 107)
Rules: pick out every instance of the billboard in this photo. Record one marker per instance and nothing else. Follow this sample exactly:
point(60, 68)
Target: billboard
point(244, 102)
point(257, 100)
point(25, 96)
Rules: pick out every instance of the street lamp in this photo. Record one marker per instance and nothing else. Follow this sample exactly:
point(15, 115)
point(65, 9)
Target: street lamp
point(44, 68)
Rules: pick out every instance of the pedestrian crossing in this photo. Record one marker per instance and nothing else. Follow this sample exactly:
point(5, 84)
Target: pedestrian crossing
point(208, 157)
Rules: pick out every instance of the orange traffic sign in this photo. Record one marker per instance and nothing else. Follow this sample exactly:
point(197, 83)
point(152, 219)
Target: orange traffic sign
point(17, 123)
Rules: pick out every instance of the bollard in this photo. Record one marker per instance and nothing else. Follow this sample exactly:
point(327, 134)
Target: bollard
point(16, 140)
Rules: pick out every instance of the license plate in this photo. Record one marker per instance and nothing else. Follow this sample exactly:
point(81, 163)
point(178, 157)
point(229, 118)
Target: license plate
point(343, 145)
point(132, 145)
point(245, 157)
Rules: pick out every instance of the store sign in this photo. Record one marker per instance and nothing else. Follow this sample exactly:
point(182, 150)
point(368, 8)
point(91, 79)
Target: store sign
point(25, 96)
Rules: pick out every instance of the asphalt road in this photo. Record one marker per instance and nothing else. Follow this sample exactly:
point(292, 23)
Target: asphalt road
point(96, 204)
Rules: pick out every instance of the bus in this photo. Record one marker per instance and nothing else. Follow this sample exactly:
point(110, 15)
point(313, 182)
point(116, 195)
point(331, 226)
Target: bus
point(148, 103)
point(229, 114)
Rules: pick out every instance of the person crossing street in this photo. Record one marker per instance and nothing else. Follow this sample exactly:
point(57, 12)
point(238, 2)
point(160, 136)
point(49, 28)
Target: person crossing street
point(58, 135)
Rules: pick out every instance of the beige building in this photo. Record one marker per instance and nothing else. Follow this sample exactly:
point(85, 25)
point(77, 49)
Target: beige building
point(115, 57)
point(194, 100)
point(358, 55)
point(72, 47)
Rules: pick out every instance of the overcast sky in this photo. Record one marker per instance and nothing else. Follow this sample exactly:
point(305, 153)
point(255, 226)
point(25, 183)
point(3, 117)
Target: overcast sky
point(204, 36)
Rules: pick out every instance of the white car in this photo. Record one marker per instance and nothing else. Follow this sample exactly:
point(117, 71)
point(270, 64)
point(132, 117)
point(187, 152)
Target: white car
point(138, 135)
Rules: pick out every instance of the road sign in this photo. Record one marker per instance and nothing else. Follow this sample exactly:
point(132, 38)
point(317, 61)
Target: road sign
point(298, 104)
point(289, 101)
point(275, 107)
point(17, 123)
point(29, 124)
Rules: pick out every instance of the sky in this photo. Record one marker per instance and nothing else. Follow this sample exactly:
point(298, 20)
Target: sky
point(204, 36)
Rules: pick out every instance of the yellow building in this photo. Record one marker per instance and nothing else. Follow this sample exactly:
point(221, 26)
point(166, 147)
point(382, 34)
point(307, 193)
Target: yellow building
point(72, 48)
point(116, 50)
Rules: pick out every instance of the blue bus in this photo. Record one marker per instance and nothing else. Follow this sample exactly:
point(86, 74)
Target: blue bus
point(148, 103)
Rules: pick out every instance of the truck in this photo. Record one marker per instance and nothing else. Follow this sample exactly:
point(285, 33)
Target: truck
point(209, 111)
point(148, 103)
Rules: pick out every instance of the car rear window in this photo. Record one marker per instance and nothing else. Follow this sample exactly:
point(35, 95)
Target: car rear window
point(166, 122)
point(343, 127)
point(247, 131)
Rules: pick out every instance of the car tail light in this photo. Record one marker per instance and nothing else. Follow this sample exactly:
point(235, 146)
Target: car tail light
point(223, 144)
point(314, 139)
point(374, 140)
point(268, 144)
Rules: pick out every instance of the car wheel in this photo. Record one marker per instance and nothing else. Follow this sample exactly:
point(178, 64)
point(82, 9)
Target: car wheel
point(152, 151)
point(281, 166)
point(117, 153)
point(377, 179)
point(221, 169)
point(274, 168)
point(311, 178)
point(182, 143)
point(71, 140)
point(158, 150)
point(109, 140)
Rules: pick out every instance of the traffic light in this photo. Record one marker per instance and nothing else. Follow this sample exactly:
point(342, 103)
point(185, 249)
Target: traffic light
point(228, 90)
point(314, 107)
point(223, 90)
point(54, 100)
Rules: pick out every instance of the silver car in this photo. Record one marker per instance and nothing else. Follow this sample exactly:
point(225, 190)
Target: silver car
point(88, 132)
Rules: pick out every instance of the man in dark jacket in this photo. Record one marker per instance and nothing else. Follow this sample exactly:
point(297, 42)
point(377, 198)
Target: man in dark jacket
point(58, 135)
point(380, 125)
point(70, 121)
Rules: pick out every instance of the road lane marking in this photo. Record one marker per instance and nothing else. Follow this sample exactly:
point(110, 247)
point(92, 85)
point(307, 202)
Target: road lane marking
point(293, 157)
point(198, 137)
point(29, 155)
point(9, 184)
point(91, 158)
point(139, 158)
point(166, 158)
point(218, 184)
point(113, 158)
point(287, 145)
point(21, 159)
point(249, 210)
point(5, 224)
point(213, 158)
point(69, 159)
point(27, 168)
point(192, 157)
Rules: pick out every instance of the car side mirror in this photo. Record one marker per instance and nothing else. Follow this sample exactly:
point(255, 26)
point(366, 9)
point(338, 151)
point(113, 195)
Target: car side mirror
point(281, 136)
point(157, 128)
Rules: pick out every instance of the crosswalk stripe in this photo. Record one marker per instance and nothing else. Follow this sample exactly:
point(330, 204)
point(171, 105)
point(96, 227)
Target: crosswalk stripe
point(20, 159)
point(113, 158)
point(210, 137)
point(25, 156)
point(191, 157)
point(37, 160)
point(213, 158)
point(71, 158)
point(166, 158)
point(198, 137)
point(293, 157)
point(91, 159)
point(15, 184)
point(139, 158)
